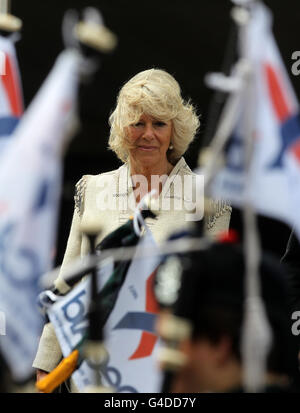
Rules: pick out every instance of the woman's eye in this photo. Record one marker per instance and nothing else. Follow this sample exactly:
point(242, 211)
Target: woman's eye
point(138, 124)
point(160, 123)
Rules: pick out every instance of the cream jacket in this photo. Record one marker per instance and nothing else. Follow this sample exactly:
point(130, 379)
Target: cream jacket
point(107, 201)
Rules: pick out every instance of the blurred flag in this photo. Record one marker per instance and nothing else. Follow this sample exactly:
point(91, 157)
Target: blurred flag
point(273, 186)
point(11, 98)
point(133, 364)
point(130, 338)
point(30, 181)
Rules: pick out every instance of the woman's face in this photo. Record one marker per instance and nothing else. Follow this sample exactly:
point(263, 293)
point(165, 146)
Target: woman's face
point(150, 139)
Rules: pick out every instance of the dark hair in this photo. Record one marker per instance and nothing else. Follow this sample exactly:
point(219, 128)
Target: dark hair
point(215, 323)
point(212, 297)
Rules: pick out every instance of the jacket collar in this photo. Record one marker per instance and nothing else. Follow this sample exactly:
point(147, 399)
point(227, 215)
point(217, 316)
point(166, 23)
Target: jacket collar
point(125, 182)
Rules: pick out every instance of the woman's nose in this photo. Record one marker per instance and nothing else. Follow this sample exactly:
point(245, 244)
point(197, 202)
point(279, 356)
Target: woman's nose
point(148, 132)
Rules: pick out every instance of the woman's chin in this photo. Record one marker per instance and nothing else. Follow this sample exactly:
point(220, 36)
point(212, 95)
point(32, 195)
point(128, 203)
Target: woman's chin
point(148, 161)
point(146, 157)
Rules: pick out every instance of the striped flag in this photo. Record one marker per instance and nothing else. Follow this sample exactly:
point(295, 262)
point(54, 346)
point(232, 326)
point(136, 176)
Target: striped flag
point(11, 97)
point(273, 184)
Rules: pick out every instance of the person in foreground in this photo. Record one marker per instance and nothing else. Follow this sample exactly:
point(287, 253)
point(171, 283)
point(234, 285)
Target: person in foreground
point(214, 362)
point(151, 128)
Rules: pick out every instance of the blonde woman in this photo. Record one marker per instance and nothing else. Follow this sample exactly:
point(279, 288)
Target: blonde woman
point(151, 128)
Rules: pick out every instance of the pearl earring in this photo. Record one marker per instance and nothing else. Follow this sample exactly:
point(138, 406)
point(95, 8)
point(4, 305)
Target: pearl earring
point(171, 147)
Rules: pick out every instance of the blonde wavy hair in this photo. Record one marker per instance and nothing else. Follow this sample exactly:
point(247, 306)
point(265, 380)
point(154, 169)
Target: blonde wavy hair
point(156, 93)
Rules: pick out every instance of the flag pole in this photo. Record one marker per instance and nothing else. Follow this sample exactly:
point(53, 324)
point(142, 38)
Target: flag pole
point(210, 158)
point(81, 266)
point(8, 22)
point(5, 6)
point(93, 347)
point(256, 330)
point(256, 335)
point(173, 328)
point(95, 36)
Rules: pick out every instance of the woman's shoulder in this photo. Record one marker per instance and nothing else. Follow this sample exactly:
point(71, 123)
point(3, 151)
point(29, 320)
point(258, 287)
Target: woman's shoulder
point(217, 212)
point(88, 182)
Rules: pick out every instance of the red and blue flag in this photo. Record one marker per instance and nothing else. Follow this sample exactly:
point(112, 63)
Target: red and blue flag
point(11, 96)
point(270, 106)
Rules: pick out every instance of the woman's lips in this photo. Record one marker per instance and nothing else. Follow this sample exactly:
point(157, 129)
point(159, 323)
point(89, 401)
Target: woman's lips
point(147, 148)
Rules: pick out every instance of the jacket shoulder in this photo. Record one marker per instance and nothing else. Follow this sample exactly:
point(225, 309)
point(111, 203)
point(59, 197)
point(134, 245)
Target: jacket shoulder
point(86, 181)
point(80, 188)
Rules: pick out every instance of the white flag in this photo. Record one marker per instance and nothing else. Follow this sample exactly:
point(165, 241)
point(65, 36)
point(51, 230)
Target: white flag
point(132, 341)
point(274, 181)
point(130, 338)
point(30, 181)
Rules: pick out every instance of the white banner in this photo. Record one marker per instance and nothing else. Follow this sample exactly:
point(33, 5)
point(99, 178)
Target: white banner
point(274, 181)
point(129, 332)
point(30, 181)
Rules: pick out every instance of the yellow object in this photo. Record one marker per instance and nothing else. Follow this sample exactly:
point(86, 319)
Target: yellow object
point(59, 374)
point(96, 36)
point(10, 23)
